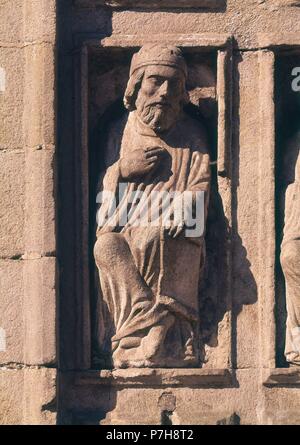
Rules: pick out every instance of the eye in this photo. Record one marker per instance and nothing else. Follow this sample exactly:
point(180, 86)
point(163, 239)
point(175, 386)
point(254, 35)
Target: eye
point(156, 81)
point(175, 83)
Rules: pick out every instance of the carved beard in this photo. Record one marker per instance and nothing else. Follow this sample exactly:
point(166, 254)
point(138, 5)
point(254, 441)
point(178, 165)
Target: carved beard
point(158, 117)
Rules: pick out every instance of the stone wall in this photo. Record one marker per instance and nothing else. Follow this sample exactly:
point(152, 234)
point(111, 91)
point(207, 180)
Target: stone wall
point(28, 209)
point(48, 53)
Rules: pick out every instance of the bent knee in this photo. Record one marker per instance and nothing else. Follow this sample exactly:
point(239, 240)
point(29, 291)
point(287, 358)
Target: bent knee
point(290, 257)
point(144, 237)
point(107, 248)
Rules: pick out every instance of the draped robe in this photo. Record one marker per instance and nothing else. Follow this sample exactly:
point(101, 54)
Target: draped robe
point(148, 279)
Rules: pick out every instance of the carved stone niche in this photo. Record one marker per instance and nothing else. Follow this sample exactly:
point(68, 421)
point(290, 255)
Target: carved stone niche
point(101, 82)
point(155, 4)
point(288, 207)
point(279, 150)
point(279, 113)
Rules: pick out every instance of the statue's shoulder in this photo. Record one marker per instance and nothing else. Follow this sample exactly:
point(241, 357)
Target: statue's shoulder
point(194, 133)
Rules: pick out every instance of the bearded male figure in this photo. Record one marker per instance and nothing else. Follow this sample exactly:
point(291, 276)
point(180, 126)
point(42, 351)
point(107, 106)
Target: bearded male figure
point(290, 261)
point(149, 273)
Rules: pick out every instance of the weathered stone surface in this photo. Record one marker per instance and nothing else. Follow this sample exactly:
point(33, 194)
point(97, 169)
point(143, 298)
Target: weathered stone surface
point(245, 163)
point(39, 96)
point(27, 396)
point(266, 221)
point(11, 21)
point(28, 280)
point(253, 146)
point(11, 314)
point(239, 19)
point(11, 394)
point(193, 406)
point(12, 203)
point(28, 316)
point(40, 311)
point(210, 4)
point(285, 2)
point(40, 396)
point(40, 230)
point(248, 336)
point(157, 377)
point(275, 403)
point(282, 377)
point(39, 21)
point(11, 103)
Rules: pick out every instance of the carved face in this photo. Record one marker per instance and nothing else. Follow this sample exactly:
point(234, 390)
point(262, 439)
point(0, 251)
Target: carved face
point(160, 97)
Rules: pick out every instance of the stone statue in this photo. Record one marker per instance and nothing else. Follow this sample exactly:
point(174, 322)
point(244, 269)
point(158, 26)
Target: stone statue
point(290, 261)
point(150, 271)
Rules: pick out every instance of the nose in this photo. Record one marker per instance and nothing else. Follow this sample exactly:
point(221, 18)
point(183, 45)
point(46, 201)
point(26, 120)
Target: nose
point(164, 89)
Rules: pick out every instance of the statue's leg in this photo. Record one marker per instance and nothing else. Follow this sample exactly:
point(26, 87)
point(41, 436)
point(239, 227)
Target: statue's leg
point(140, 326)
point(122, 285)
point(290, 260)
point(145, 247)
point(164, 263)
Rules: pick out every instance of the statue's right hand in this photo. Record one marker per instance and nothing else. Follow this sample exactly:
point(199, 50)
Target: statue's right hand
point(140, 162)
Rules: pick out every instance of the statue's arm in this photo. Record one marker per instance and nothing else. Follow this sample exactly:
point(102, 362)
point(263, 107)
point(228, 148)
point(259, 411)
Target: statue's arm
point(200, 177)
point(292, 212)
point(198, 181)
point(199, 174)
point(112, 177)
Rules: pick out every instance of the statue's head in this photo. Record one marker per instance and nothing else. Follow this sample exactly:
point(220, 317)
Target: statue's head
point(157, 86)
